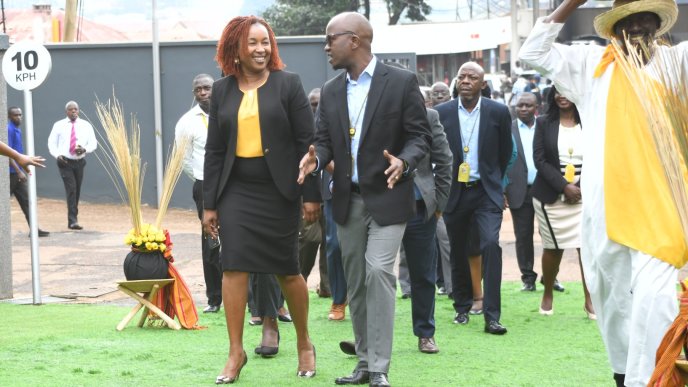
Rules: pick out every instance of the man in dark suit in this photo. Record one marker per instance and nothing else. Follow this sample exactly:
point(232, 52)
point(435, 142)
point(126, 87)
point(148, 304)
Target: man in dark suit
point(518, 195)
point(478, 130)
point(372, 123)
point(431, 187)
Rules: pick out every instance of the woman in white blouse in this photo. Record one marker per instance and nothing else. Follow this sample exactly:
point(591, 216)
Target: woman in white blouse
point(557, 152)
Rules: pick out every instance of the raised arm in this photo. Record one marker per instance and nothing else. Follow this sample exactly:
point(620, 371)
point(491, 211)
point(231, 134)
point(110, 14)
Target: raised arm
point(564, 11)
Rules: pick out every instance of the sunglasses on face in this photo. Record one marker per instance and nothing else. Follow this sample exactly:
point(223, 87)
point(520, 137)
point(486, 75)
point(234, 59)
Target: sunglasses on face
point(329, 38)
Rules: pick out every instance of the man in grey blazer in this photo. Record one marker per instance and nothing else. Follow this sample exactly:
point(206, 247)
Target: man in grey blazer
point(372, 123)
point(518, 195)
point(431, 188)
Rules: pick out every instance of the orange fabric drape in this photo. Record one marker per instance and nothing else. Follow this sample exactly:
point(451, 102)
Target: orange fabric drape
point(176, 299)
point(666, 374)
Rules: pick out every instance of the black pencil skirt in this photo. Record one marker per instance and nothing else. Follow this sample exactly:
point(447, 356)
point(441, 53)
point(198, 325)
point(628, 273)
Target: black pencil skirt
point(258, 226)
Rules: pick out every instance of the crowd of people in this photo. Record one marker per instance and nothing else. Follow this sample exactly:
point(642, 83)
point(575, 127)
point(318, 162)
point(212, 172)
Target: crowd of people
point(369, 164)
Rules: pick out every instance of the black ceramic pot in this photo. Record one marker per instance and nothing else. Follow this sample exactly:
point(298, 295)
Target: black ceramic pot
point(145, 265)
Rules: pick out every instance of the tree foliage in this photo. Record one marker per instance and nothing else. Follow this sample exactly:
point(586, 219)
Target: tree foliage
point(305, 17)
point(310, 17)
point(416, 10)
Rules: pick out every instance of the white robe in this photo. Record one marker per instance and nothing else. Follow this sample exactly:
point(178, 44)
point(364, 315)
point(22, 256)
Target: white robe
point(634, 294)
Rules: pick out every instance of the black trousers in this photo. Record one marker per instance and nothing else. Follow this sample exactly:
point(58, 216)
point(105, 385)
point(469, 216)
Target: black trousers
point(212, 272)
point(523, 219)
point(72, 173)
point(475, 203)
point(265, 295)
point(20, 190)
point(308, 251)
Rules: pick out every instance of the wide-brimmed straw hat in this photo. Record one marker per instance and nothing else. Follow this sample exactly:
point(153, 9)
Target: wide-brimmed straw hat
point(665, 9)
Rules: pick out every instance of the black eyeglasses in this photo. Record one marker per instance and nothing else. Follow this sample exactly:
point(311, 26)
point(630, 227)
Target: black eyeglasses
point(329, 38)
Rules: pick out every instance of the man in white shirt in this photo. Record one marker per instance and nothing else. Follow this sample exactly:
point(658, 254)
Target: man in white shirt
point(631, 247)
point(194, 125)
point(70, 140)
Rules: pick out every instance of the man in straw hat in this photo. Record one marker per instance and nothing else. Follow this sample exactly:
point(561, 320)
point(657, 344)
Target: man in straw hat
point(632, 241)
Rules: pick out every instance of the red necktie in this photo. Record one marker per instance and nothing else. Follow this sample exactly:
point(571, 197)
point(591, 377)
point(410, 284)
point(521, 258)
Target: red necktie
point(72, 141)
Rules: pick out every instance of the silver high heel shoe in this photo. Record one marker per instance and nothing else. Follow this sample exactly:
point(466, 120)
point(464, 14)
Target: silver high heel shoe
point(222, 379)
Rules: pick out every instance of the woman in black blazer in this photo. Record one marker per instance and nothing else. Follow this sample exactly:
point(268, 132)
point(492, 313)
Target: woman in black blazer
point(260, 122)
point(557, 153)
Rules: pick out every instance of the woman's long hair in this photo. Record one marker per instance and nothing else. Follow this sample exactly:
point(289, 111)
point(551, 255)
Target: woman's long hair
point(232, 43)
point(552, 112)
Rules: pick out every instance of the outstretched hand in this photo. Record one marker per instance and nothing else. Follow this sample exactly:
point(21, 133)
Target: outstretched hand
point(307, 164)
point(395, 170)
point(25, 161)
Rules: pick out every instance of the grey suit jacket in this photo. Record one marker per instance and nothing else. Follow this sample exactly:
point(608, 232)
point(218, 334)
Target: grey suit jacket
point(518, 174)
point(433, 175)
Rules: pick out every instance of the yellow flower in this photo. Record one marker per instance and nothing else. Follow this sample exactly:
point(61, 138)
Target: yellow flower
point(163, 247)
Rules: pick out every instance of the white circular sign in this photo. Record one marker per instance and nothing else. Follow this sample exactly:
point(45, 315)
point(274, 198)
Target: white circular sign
point(26, 65)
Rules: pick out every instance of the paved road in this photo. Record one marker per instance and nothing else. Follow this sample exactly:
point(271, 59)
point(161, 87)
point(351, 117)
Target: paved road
point(84, 265)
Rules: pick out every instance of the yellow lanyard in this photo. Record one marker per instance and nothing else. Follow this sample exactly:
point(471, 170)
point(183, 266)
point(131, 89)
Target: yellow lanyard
point(205, 121)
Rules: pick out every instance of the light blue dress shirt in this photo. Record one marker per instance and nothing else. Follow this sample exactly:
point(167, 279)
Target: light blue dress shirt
point(527, 135)
point(357, 99)
point(470, 132)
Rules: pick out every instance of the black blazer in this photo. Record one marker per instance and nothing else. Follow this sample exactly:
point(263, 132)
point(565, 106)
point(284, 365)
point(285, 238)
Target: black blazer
point(394, 119)
point(494, 147)
point(518, 174)
point(549, 182)
point(286, 129)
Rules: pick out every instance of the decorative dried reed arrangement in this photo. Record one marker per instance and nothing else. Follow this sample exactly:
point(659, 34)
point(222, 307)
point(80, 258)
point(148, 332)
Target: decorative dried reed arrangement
point(662, 91)
point(122, 153)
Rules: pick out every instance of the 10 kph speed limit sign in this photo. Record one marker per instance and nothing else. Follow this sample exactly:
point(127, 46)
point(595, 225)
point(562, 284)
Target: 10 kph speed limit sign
point(26, 65)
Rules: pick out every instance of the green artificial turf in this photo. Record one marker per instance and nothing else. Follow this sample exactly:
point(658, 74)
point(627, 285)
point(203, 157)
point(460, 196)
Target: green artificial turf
point(77, 345)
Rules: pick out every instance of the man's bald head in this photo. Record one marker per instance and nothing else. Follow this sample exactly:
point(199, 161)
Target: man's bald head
point(348, 38)
point(439, 92)
point(354, 22)
point(475, 67)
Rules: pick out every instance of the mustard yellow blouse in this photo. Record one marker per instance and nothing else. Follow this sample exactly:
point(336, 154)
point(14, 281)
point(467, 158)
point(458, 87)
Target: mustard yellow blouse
point(249, 142)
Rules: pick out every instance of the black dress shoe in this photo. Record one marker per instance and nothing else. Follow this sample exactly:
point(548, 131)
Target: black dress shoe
point(358, 377)
point(528, 287)
point(75, 226)
point(378, 379)
point(348, 347)
point(557, 286)
point(266, 351)
point(211, 309)
point(495, 328)
point(284, 317)
point(41, 233)
point(461, 318)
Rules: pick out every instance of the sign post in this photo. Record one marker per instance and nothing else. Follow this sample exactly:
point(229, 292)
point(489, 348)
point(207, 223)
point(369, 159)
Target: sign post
point(25, 66)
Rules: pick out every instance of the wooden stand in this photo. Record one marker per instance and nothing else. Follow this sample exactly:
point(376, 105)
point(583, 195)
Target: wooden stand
point(149, 288)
